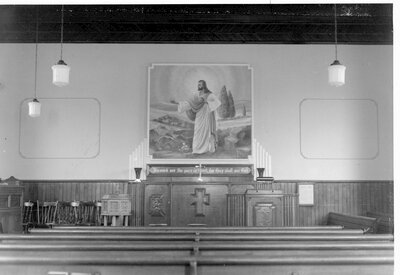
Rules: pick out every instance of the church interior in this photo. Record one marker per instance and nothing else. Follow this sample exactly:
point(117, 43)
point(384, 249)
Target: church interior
point(197, 139)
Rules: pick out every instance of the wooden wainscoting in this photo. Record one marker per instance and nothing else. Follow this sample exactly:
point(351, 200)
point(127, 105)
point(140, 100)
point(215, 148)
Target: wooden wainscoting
point(352, 197)
point(79, 190)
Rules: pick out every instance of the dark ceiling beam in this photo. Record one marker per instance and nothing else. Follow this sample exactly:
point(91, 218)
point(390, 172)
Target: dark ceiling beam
point(226, 38)
point(210, 24)
point(249, 13)
point(155, 19)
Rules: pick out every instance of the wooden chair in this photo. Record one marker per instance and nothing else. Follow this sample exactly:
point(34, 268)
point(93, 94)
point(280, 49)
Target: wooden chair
point(76, 212)
point(47, 213)
point(98, 213)
point(50, 213)
point(28, 216)
point(64, 213)
point(87, 213)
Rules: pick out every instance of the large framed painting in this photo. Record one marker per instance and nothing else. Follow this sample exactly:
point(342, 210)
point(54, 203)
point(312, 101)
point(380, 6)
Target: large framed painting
point(200, 111)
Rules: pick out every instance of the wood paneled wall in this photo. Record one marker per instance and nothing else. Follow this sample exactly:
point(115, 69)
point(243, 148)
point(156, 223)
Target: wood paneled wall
point(236, 210)
point(354, 198)
point(72, 190)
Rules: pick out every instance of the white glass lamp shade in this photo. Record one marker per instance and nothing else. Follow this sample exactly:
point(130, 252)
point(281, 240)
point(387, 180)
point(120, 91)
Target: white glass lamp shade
point(336, 74)
point(34, 108)
point(61, 74)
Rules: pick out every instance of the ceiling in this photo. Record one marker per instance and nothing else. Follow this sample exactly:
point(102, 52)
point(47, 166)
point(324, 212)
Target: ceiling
point(210, 24)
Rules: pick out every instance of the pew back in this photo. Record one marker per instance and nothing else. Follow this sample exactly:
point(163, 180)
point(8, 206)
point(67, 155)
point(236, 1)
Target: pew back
point(191, 237)
point(194, 252)
point(306, 264)
point(367, 224)
point(130, 231)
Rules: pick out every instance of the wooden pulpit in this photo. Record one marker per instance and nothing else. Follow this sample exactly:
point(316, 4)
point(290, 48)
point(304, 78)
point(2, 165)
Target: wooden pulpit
point(270, 208)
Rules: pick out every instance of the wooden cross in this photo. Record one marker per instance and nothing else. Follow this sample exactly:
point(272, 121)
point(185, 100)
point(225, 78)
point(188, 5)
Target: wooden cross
point(200, 199)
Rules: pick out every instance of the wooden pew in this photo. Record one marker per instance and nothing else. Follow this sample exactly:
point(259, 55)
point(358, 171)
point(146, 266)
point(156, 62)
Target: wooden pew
point(198, 246)
point(200, 228)
point(371, 245)
point(367, 224)
point(180, 239)
point(189, 237)
point(195, 253)
point(193, 231)
point(385, 222)
point(107, 263)
point(186, 253)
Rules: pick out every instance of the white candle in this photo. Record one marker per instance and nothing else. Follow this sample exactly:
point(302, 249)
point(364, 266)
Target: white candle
point(141, 159)
point(257, 156)
point(135, 164)
point(265, 155)
point(254, 153)
point(139, 156)
point(265, 160)
point(262, 158)
point(269, 165)
point(130, 167)
point(143, 154)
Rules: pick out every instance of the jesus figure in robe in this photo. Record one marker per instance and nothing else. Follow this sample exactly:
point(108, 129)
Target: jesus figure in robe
point(200, 108)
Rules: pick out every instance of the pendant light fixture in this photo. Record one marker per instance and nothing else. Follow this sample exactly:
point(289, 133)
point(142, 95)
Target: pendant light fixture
point(34, 105)
point(61, 69)
point(336, 70)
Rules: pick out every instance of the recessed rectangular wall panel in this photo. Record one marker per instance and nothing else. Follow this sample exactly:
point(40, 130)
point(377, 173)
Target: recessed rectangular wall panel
point(339, 129)
point(66, 129)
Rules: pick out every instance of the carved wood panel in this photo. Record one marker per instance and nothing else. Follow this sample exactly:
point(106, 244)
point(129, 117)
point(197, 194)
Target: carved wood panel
point(259, 206)
point(264, 214)
point(198, 204)
point(200, 200)
point(157, 204)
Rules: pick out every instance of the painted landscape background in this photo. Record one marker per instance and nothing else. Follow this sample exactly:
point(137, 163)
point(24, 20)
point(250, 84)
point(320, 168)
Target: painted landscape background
point(171, 133)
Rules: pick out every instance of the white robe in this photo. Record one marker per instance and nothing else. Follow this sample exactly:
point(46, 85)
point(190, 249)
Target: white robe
point(204, 138)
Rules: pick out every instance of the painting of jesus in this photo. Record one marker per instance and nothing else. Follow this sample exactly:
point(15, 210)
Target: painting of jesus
point(200, 111)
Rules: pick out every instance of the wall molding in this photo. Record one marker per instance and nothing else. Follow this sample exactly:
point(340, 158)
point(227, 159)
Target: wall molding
point(306, 155)
point(96, 136)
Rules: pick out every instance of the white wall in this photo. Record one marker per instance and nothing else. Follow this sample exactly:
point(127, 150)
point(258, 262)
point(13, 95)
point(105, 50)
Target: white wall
point(116, 76)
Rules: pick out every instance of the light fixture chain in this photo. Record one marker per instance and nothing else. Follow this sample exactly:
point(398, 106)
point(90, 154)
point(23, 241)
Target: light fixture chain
point(36, 49)
point(62, 29)
point(335, 35)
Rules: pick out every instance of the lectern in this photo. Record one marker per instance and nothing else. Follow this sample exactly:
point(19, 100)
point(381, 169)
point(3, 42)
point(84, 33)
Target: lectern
point(118, 206)
point(270, 208)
